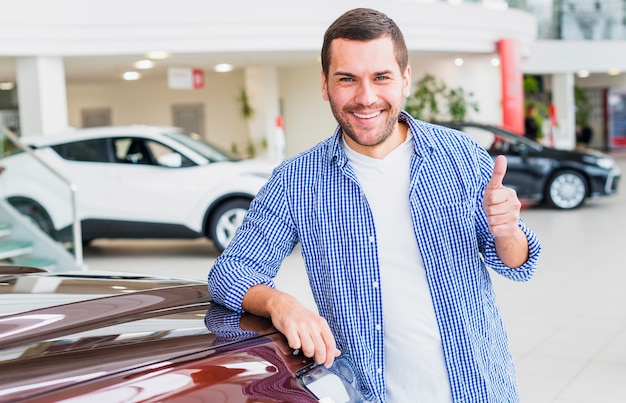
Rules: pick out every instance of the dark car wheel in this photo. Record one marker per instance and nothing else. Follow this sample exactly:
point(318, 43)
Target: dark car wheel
point(36, 213)
point(225, 220)
point(566, 190)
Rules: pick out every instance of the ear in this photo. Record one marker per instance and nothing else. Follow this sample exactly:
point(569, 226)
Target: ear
point(324, 87)
point(406, 77)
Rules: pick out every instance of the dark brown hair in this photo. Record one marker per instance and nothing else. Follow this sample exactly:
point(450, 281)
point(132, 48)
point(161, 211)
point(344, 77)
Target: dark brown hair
point(364, 24)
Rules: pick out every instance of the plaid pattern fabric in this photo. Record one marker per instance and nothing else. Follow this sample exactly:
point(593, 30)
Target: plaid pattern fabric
point(314, 199)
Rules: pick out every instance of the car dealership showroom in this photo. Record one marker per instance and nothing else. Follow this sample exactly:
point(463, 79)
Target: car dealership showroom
point(136, 135)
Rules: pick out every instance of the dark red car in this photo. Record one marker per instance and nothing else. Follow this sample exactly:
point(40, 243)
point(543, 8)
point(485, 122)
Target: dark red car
point(103, 337)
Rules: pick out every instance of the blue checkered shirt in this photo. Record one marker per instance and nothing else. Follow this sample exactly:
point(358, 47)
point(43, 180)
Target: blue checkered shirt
point(315, 199)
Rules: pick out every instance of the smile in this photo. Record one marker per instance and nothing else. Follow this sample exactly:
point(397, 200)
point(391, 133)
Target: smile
point(371, 115)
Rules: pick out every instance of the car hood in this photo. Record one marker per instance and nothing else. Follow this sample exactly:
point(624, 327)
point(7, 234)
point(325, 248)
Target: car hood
point(70, 334)
point(258, 166)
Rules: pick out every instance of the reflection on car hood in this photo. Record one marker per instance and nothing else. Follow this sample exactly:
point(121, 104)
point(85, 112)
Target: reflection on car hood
point(72, 335)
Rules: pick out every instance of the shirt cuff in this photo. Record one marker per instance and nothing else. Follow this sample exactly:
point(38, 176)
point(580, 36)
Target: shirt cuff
point(525, 271)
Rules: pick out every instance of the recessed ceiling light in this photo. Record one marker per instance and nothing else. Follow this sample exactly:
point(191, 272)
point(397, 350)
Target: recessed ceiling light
point(223, 67)
point(458, 61)
point(614, 72)
point(495, 61)
point(7, 86)
point(131, 75)
point(158, 54)
point(143, 64)
point(583, 73)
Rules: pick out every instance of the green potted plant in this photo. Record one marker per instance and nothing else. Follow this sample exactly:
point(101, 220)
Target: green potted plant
point(432, 100)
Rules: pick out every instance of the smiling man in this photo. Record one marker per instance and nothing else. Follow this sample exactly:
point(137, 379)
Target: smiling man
point(398, 221)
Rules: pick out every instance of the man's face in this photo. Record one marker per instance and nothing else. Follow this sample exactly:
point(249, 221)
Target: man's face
point(366, 91)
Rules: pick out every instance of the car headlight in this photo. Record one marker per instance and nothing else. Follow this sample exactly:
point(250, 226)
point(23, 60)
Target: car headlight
point(606, 163)
point(602, 162)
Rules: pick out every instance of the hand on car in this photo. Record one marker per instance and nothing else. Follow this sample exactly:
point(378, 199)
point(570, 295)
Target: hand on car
point(304, 330)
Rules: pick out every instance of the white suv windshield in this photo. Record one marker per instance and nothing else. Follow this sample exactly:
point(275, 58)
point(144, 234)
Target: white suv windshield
point(208, 151)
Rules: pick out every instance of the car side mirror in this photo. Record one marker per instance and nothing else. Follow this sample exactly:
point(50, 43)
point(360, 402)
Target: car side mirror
point(172, 160)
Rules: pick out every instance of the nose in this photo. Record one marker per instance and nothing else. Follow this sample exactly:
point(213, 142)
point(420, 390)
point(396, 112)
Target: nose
point(365, 93)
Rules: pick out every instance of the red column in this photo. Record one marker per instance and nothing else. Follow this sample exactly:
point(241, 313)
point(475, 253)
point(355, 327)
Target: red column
point(512, 86)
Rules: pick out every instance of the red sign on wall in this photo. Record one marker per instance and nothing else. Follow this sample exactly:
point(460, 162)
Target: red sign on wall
point(512, 86)
point(198, 78)
point(183, 78)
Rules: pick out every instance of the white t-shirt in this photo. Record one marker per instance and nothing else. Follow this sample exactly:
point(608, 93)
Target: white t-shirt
point(414, 365)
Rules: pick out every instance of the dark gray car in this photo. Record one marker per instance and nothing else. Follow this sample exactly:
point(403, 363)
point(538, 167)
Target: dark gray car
point(560, 178)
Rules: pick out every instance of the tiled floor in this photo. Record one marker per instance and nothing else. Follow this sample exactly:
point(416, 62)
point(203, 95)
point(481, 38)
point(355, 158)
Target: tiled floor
point(567, 326)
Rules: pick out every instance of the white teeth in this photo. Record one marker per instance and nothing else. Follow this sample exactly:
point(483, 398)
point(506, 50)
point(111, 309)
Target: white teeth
point(371, 115)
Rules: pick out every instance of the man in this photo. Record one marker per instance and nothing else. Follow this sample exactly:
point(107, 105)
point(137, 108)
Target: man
point(397, 220)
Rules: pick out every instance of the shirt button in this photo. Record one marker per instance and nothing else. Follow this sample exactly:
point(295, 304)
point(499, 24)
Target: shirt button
point(375, 284)
point(372, 239)
point(379, 370)
point(378, 327)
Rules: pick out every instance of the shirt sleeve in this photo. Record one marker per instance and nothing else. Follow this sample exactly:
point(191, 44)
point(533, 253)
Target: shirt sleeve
point(487, 240)
point(266, 236)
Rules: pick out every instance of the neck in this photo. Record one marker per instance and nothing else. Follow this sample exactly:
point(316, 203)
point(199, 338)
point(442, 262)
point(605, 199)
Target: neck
point(380, 151)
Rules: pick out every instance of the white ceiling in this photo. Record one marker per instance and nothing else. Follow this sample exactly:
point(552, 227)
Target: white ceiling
point(103, 68)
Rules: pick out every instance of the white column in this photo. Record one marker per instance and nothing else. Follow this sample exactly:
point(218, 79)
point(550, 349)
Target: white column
point(262, 88)
point(563, 99)
point(42, 97)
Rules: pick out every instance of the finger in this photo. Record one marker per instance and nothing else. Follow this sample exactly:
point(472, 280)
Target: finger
point(499, 170)
point(309, 347)
point(293, 340)
point(331, 349)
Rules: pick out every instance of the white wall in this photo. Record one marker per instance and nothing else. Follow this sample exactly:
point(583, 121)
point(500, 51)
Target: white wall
point(150, 101)
point(308, 118)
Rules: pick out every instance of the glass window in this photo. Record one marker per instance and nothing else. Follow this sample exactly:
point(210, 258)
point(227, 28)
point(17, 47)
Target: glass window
point(87, 150)
point(208, 151)
point(165, 156)
point(130, 150)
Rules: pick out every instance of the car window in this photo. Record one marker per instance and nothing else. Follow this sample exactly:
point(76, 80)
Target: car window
point(130, 150)
point(86, 150)
point(166, 156)
point(208, 151)
point(490, 140)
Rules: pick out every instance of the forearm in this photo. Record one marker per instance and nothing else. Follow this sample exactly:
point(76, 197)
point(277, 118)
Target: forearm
point(263, 300)
point(512, 250)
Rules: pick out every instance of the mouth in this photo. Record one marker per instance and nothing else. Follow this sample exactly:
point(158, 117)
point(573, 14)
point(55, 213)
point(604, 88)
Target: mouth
point(366, 116)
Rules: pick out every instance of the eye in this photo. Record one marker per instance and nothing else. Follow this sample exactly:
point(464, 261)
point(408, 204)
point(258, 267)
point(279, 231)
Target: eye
point(381, 78)
point(346, 79)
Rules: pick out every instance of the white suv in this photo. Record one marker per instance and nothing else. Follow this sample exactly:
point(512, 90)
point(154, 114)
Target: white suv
point(134, 182)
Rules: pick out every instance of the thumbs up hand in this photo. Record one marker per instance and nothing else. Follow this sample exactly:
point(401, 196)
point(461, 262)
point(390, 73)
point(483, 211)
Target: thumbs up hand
point(501, 204)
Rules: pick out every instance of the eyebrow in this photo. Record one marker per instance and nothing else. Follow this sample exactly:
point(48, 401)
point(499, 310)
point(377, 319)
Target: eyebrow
point(378, 73)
